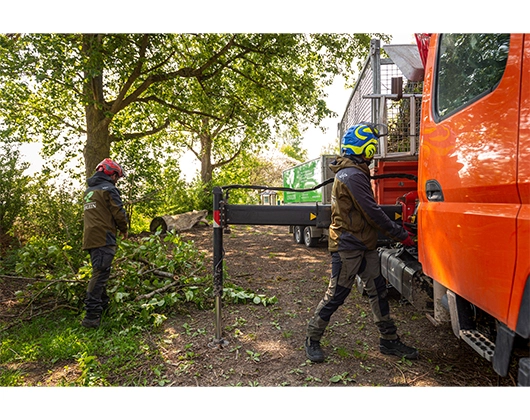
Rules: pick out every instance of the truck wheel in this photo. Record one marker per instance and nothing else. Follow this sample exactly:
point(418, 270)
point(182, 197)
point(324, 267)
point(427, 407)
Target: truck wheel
point(298, 235)
point(308, 239)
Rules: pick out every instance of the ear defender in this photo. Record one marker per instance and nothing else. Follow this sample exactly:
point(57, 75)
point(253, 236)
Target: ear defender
point(370, 150)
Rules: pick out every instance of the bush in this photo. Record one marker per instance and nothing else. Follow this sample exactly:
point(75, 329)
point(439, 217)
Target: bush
point(151, 277)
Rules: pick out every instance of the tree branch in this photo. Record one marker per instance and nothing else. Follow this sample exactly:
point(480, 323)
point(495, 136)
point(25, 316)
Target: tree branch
point(118, 102)
point(227, 161)
point(131, 136)
point(186, 72)
point(52, 281)
point(166, 287)
point(43, 111)
point(153, 98)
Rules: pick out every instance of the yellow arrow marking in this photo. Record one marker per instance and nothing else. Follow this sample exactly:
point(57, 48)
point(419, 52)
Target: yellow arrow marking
point(397, 216)
point(312, 216)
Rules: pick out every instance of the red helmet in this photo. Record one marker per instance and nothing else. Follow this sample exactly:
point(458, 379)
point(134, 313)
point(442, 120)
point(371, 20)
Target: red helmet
point(109, 167)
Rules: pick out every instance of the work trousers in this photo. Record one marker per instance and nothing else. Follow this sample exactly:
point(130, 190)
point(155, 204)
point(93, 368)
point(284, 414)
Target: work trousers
point(96, 296)
point(345, 265)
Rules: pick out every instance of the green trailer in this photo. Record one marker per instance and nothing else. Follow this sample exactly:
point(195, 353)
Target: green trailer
point(304, 176)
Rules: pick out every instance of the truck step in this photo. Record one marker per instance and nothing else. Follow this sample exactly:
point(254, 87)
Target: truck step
point(523, 378)
point(480, 343)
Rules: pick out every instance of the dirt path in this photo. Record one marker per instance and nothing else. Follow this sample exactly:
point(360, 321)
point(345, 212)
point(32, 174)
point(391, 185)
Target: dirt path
point(265, 343)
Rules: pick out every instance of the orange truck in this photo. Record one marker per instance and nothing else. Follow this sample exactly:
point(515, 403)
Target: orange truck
point(472, 216)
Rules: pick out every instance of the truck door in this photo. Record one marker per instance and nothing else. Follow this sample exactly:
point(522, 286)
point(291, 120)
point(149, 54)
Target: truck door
point(523, 181)
point(468, 166)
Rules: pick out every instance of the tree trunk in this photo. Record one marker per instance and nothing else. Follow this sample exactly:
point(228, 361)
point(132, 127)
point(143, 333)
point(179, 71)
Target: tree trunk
point(179, 222)
point(97, 146)
point(206, 159)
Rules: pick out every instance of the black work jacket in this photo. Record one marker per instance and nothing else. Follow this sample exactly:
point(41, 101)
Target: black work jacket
point(103, 212)
point(355, 215)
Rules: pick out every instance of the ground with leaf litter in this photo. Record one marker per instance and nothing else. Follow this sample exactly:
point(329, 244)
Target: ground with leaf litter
point(265, 343)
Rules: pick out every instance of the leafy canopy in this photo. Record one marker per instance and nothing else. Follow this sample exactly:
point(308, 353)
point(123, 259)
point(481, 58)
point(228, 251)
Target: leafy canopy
point(216, 93)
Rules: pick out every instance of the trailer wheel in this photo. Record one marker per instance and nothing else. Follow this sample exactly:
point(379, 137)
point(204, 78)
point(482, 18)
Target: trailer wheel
point(308, 239)
point(298, 235)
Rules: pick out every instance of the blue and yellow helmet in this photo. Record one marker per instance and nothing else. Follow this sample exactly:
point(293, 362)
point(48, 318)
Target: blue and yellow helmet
point(360, 140)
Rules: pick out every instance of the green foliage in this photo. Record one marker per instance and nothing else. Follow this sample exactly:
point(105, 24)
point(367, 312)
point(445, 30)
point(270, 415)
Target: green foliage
point(241, 171)
point(60, 343)
point(11, 377)
point(343, 377)
point(52, 263)
point(214, 94)
point(51, 231)
point(252, 169)
point(55, 212)
point(153, 178)
point(41, 257)
point(139, 223)
point(144, 98)
point(136, 285)
point(192, 196)
point(152, 276)
point(253, 356)
point(294, 150)
point(13, 187)
point(237, 294)
point(153, 185)
point(89, 371)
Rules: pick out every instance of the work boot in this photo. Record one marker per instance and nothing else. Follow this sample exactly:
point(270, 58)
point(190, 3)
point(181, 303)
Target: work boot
point(313, 350)
point(91, 323)
point(397, 348)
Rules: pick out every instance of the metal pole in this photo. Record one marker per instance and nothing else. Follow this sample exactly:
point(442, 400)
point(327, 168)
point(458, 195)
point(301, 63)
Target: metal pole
point(375, 53)
point(383, 141)
point(218, 263)
point(412, 125)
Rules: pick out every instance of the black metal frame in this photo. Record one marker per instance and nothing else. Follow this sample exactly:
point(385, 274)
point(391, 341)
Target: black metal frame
point(224, 214)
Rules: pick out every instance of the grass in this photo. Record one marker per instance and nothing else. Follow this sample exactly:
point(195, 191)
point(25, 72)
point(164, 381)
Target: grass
point(109, 355)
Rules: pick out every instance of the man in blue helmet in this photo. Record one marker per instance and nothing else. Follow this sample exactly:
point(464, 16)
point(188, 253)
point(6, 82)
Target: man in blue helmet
point(355, 221)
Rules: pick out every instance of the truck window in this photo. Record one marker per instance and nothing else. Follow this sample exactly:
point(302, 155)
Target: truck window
point(468, 67)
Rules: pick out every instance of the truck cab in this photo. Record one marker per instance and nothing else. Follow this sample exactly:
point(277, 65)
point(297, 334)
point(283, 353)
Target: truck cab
point(474, 182)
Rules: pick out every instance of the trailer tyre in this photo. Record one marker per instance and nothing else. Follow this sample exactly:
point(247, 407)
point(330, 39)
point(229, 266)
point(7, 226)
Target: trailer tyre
point(308, 239)
point(298, 235)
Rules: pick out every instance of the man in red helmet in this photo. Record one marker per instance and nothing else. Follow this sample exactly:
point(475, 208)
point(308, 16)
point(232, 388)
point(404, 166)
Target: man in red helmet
point(103, 214)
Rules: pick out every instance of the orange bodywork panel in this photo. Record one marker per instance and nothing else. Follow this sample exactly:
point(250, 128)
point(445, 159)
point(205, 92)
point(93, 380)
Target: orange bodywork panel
point(476, 241)
point(522, 269)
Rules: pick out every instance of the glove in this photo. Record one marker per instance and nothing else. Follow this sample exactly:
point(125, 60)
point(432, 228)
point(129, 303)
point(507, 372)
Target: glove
point(408, 241)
